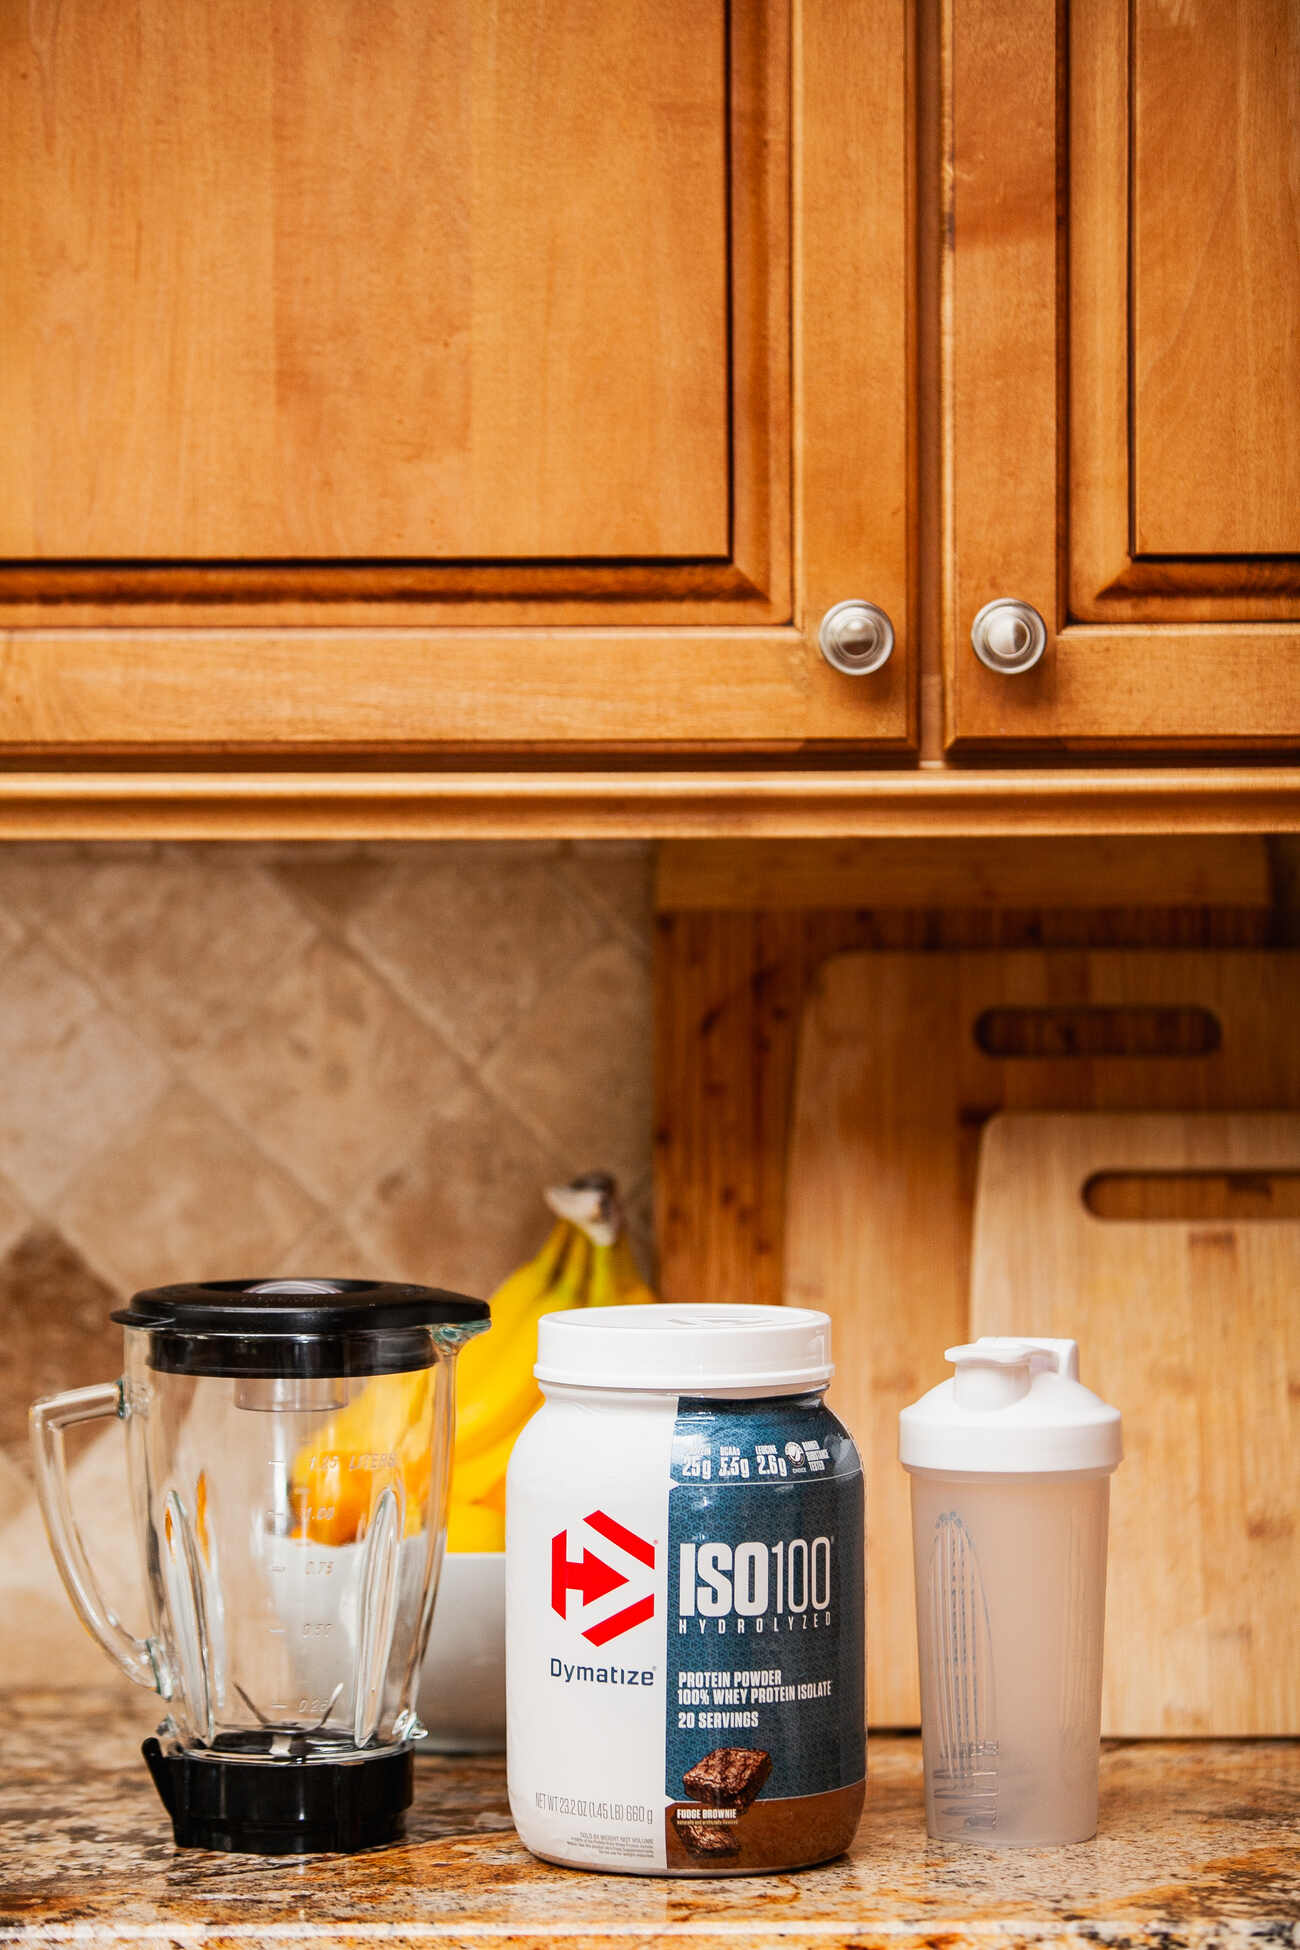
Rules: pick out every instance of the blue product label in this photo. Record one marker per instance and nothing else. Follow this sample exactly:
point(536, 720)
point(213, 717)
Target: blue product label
point(766, 1652)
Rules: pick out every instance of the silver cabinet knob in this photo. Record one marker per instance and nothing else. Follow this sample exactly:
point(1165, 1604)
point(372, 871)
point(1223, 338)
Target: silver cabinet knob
point(1009, 637)
point(856, 637)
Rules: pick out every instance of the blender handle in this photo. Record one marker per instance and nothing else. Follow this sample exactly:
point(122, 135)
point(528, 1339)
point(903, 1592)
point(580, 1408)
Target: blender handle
point(140, 1659)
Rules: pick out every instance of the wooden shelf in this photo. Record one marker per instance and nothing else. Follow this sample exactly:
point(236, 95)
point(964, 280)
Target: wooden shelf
point(552, 804)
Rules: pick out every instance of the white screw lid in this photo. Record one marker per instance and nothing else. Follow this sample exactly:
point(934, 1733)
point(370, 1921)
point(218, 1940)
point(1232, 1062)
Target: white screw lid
point(696, 1349)
point(1015, 1406)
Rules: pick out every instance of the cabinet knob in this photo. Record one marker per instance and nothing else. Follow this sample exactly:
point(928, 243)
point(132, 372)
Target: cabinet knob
point(1008, 636)
point(856, 637)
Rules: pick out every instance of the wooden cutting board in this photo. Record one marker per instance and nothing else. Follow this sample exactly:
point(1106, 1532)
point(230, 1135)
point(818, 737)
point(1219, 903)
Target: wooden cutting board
point(1169, 1248)
point(903, 1058)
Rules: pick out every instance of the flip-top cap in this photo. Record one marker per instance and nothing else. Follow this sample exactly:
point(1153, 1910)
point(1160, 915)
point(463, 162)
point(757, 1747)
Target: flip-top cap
point(1015, 1406)
point(691, 1350)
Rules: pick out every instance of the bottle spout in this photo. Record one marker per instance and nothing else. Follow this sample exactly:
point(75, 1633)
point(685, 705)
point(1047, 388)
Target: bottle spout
point(999, 1369)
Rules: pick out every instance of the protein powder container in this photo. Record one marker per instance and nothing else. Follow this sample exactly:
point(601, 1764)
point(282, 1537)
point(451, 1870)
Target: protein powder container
point(685, 1644)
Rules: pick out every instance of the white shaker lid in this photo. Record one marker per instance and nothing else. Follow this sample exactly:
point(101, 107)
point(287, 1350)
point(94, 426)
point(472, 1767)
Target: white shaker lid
point(686, 1350)
point(1015, 1406)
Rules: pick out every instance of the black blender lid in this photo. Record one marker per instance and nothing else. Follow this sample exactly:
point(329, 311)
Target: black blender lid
point(298, 1328)
point(316, 1306)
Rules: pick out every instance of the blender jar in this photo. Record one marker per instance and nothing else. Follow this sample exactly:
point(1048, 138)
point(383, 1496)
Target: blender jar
point(289, 1450)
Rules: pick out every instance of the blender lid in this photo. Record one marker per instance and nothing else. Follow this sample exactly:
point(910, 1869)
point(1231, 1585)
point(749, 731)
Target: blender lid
point(301, 1327)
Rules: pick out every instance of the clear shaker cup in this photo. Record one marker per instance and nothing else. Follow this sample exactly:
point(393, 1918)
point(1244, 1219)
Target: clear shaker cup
point(1010, 1461)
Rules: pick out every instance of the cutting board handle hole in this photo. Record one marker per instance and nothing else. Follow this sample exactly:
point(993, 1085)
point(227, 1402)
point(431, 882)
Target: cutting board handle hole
point(1094, 1030)
point(1193, 1196)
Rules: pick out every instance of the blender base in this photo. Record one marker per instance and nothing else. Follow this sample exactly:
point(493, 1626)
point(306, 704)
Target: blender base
point(282, 1807)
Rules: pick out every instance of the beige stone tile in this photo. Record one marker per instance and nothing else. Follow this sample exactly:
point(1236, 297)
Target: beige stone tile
point(34, 876)
point(74, 1074)
point(618, 877)
point(465, 1207)
point(39, 1631)
point(16, 1491)
point(327, 1250)
point(334, 888)
point(183, 1195)
point(15, 1217)
point(12, 929)
point(29, 880)
point(181, 943)
point(331, 1072)
point(54, 1328)
point(473, 940)
point(578, 1066)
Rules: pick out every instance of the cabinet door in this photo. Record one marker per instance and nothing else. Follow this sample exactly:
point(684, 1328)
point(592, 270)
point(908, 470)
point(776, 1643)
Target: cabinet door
point(472, 375)
point(1123, 369)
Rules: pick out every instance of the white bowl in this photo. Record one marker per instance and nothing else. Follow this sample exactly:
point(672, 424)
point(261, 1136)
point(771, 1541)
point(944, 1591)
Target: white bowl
point(462, 1694)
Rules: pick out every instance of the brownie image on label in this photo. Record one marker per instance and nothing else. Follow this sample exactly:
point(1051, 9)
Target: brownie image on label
point(717, 1838)
point(729, 1777)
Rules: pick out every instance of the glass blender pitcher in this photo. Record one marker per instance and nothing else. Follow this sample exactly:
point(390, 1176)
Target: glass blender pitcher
point(289, 1452)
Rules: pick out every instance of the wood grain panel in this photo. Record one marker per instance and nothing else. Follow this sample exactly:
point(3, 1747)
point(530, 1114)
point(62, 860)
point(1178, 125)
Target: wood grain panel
point(336, 280)
point(1216, 278)
point(729, 995)
point(854, 451)
point(1189, 1325)
point(401, 688)
point(1098, 872)
point(727, 987)
point(1113, 342)
point(1044, 352)
point(1001, 329)
point(400, 796)
point(892, 1092)
point(492, 446)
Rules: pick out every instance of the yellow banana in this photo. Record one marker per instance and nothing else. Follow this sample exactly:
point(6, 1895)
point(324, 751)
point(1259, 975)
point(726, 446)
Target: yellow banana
point(474, 1527)
point(586, 1262)
point(632, 1289)
point(510, 1394)
point(601, 1288)
point(481, 1455)
point(475, 1477)
point(615, 1281)
point(514, 1299)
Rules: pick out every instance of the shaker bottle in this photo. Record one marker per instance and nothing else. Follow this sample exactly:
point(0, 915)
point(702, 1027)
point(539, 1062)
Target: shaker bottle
point(1010, 1461)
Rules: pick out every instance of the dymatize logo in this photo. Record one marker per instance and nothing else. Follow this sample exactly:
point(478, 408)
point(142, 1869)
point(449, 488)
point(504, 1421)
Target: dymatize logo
point(593, 1578)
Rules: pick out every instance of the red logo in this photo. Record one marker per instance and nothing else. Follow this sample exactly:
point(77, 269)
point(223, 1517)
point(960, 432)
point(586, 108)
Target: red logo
point(595, 1579)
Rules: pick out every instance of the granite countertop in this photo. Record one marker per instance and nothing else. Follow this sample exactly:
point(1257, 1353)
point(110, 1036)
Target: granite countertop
point(1199, 1845)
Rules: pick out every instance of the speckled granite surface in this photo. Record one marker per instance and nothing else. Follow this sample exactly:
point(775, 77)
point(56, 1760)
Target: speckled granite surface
point(1199, 1845)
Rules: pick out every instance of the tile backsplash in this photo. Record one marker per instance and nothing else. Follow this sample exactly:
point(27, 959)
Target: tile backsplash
point(220, 1060)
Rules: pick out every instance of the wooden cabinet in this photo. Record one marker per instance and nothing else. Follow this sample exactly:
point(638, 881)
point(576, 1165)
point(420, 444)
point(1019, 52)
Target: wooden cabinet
point(472, 376)
point(473, 384)
point(1122, 370)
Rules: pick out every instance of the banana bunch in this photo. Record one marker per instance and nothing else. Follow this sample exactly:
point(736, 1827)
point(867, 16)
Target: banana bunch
point(586, 1261)
point(385, 1434)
